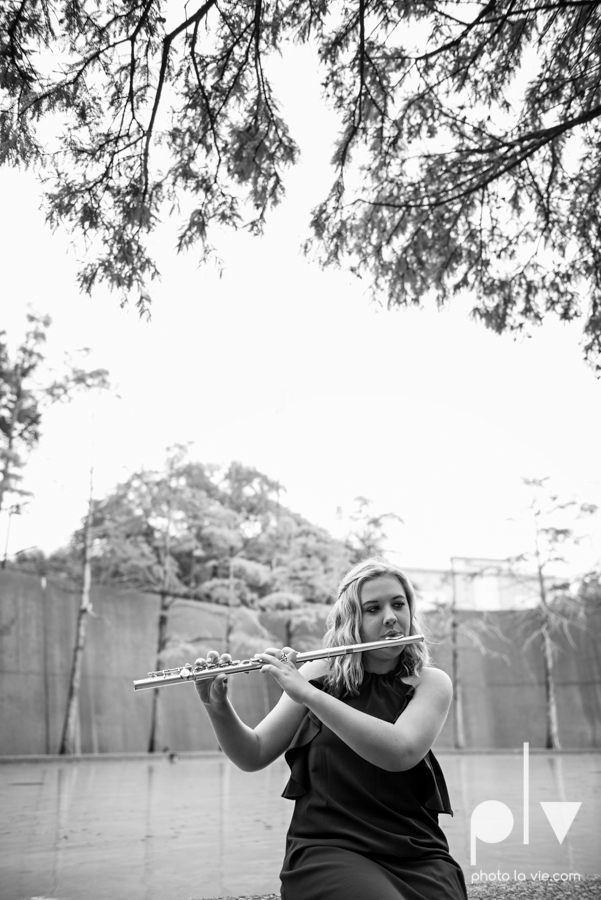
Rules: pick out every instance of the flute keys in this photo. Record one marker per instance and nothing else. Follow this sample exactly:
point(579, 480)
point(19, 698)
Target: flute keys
point(187, 673)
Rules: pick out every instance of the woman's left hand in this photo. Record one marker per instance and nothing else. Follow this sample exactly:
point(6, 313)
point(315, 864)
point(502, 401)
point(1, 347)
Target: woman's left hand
point(285, 672)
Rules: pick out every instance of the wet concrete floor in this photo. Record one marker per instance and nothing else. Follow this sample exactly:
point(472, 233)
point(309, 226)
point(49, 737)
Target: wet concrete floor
point(145, 828)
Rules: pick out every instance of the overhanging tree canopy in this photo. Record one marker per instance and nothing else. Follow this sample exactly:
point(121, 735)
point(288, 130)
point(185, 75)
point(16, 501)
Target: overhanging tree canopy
point(468, 156)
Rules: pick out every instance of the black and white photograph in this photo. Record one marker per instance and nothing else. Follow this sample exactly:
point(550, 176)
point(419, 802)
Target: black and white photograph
point(300, 443)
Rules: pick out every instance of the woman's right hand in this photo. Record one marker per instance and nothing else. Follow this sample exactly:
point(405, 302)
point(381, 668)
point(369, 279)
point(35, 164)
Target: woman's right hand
point(213, 691)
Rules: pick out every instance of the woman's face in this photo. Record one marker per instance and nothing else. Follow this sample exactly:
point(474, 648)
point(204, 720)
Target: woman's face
point(384, 612)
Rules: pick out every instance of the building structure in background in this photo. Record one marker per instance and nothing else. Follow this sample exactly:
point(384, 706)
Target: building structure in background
point(478, 584)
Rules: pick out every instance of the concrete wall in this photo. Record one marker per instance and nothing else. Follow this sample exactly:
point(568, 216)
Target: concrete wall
point(37, 633)
point(503, 691)
point(503, 698)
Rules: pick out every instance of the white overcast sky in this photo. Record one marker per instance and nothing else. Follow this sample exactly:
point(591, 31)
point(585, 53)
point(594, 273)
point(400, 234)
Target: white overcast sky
point(290, 369)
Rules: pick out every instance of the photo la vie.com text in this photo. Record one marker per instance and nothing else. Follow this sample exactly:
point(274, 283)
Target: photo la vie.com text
point(492, 822)
point(484, 877)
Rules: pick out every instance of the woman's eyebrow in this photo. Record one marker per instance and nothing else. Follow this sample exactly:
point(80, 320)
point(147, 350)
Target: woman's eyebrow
point(379, 600)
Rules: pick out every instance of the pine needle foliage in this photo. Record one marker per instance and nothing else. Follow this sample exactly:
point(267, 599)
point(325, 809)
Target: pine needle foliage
point(467, 159)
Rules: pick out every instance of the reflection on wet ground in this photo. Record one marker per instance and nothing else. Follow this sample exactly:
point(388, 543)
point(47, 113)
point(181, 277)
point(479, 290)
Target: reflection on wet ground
point(149, 829)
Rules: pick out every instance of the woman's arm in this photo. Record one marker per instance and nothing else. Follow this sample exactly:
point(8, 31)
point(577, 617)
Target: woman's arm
point(252, 749)
point(394, 746)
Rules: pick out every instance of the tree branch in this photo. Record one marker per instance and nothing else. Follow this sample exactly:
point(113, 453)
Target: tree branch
point(167, 41)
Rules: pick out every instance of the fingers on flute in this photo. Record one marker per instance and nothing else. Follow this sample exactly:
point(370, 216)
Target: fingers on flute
point(214, 656)
point(279, 655)
point(213, 659)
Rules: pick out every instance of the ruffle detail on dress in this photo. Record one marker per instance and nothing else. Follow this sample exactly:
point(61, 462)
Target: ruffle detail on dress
point(437, 793)
point(296, 756)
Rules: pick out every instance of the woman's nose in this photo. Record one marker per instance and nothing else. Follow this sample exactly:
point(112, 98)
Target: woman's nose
point(389, 616)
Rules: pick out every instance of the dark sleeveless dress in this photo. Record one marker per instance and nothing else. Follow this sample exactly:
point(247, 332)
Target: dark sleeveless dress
point(359, 832)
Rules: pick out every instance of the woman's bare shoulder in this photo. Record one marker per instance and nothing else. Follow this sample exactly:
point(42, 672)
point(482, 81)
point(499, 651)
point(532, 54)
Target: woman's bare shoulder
point(433, 678)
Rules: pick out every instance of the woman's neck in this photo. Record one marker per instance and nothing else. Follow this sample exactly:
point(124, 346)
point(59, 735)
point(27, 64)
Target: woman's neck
point(380, 666)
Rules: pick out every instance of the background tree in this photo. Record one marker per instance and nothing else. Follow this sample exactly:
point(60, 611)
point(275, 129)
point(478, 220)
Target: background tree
point(232, 541)
point(467, 156)
point(557, 608)
point(311, 562)
point(151, 533)
point(209, 534)
point(241, 563)
point(23, 400)
point(368, 535)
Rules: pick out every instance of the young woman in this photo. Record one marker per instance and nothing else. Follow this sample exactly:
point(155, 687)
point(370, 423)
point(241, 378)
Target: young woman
point(357, 732)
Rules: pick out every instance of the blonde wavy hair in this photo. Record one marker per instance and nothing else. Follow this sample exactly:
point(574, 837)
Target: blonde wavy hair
point(344, 621)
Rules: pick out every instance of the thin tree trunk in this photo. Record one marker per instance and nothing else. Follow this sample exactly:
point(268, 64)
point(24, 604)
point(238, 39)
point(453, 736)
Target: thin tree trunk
point(552, 729)
point(71, 737)
point(458, 728)
point(229, 627)
point(6, 470)
point(153, 739)
point(552, 736)
point(457, 688)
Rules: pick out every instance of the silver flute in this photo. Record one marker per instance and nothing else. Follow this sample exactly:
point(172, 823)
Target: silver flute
point(189, 674)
